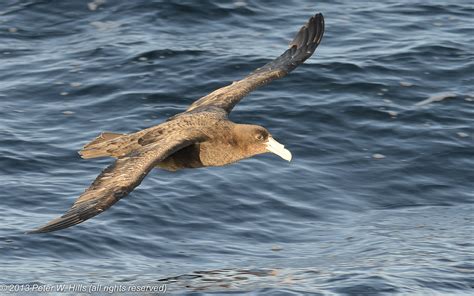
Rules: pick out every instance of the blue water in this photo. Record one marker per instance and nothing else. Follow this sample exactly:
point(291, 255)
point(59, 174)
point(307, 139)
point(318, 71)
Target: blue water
point(378, 199)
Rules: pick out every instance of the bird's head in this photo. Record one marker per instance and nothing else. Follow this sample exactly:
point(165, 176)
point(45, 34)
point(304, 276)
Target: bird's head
point(254, 139)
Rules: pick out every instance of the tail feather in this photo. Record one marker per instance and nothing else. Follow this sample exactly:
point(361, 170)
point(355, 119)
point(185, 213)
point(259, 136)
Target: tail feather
point(100, 146)
point(93, 153)
point(105, 136)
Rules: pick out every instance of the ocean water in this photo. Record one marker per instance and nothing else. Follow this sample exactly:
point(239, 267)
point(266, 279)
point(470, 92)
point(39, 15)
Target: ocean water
point(379, 197)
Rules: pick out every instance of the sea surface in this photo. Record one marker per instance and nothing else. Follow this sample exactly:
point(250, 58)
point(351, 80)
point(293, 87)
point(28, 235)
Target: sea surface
point(379, 196)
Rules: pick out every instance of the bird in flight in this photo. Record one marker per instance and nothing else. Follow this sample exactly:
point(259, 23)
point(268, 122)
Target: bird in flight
point(201, 136)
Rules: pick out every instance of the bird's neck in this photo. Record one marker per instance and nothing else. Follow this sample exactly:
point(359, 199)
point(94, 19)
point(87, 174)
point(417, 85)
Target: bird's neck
point(222, 150)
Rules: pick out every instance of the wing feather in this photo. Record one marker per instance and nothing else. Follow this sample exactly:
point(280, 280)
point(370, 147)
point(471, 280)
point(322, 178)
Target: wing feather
point(118, 180)
point(301, 48)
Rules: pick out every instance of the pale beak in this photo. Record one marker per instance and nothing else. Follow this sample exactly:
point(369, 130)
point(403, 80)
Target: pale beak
point(277, 148)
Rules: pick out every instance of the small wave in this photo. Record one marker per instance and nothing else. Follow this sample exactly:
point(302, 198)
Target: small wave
point(437, 98)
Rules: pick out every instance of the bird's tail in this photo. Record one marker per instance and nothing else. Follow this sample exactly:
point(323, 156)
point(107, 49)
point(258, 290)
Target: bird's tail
point(104, 145)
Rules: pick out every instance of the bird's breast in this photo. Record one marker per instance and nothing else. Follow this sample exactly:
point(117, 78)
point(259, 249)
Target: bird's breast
point(218, 154)
point(188, 157)
point(201, 155)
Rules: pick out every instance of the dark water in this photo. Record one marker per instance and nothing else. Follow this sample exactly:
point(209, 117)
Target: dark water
point(379, 196)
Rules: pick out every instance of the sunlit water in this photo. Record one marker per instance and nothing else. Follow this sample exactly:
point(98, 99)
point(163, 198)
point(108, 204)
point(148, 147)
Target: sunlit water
point(377, 200)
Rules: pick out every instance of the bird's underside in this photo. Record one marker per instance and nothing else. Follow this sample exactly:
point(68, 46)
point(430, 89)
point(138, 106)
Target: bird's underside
point(200, 136)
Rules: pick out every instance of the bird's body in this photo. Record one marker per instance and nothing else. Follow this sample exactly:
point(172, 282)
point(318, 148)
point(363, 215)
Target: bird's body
point(201, 136)
point(220, 144)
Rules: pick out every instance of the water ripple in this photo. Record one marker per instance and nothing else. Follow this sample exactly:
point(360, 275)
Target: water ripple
point(377, 200)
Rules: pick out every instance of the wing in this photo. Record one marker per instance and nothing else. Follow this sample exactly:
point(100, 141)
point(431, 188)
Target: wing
point(118, 180)
point(301, 48)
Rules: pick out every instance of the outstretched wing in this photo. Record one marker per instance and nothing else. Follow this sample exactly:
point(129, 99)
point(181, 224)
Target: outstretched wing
point(119, 179)
point(301, 48)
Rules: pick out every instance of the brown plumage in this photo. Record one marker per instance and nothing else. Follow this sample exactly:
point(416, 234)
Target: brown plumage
point(201, 136)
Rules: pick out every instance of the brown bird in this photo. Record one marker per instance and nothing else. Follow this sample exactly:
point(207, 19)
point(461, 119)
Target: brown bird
point(201, 136)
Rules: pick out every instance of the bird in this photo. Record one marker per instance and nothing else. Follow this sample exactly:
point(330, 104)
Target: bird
point(201, 136)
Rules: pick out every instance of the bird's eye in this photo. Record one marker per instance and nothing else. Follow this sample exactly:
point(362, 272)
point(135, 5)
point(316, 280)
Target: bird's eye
point(260, 137)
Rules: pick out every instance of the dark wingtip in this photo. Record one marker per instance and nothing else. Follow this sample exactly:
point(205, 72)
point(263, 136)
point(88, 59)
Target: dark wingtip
point(35, 231)
point(310, 35)
point(79, 213)
point(319, 18)
point(49, 228)
point(44, 229)
point(67, 220)
point(301, 48)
